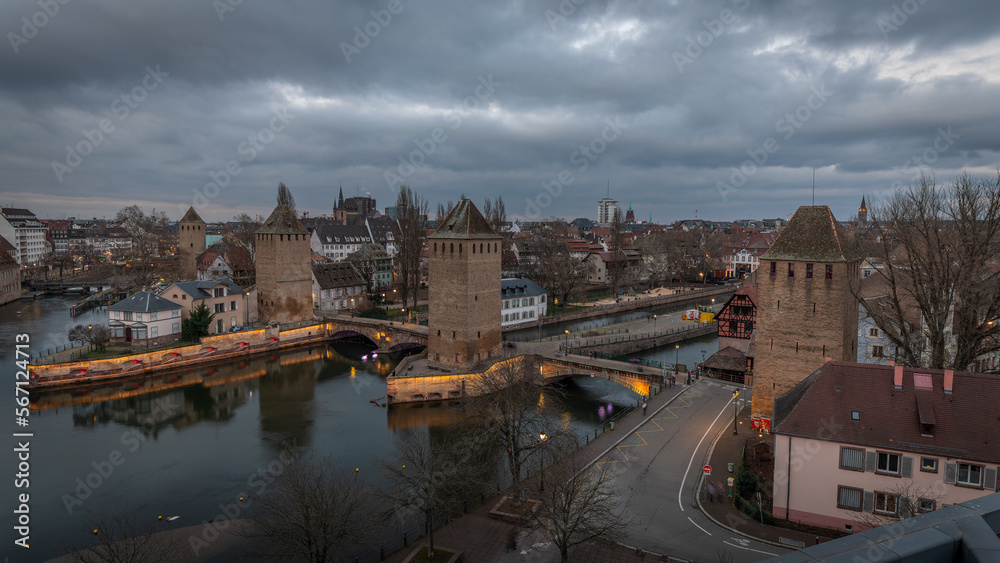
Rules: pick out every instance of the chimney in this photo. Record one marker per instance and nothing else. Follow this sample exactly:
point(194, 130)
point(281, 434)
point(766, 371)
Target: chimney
point(891, 363)
point(827, 359)
point(897, 377)
point(949, 381)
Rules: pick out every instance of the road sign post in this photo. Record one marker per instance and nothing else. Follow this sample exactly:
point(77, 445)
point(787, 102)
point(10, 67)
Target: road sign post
point(708, 470)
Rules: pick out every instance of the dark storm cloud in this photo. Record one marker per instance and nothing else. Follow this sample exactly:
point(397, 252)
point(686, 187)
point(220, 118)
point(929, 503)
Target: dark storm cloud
point(492, 99)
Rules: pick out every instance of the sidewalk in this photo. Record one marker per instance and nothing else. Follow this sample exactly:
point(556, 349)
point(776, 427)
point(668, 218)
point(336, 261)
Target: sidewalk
point(484, 539)
point(719, 507)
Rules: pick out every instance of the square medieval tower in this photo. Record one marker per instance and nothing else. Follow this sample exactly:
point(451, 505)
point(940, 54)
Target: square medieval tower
point(464, 285)
point(805, 309)
point(284, 268)
point(190, 244)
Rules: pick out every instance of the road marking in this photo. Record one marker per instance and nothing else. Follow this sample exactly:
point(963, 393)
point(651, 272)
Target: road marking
point(749, 549)
point(699, 527)
point(695, 452)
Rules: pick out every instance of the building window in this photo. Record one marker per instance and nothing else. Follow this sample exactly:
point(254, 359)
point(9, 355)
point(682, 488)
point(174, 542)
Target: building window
point(970, 475)
point(154, 332)
point(220, 307)
point(849, 498)
point(152, 316)
point(232, 304)
point(887, 463)
point(852, 458)
point(175, 313)
point(878, 351)
point(873, 332)
point(175, 328)
point(809, 271)
point(774, 269)
point(928, 464)
point(791, 270)
point(829, 271)
point(219, 292)
point(885, 503)
point(126, 315)
point(927, 505)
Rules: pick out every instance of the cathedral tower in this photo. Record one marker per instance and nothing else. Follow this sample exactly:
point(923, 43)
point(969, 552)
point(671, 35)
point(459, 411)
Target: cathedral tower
point(284, 267)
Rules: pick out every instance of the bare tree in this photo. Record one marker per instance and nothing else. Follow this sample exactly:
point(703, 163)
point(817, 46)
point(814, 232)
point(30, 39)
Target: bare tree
point(552, 265)
point(939, 247)
point(898, 502)
point(443, 210)
point(144, 233)
point(578, 503)
point(409, 234)
point(285, 196)
point(495, 213)
point(618, 267)
point(121, 538)
point(241, 232)
point(97, 335)
point(510, 411)
point(429, 478)
point(314, 511)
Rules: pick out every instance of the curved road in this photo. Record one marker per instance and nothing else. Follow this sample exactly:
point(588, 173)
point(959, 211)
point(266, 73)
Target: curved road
point(657, 468)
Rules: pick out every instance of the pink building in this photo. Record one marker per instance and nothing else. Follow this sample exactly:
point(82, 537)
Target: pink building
point(886, 440)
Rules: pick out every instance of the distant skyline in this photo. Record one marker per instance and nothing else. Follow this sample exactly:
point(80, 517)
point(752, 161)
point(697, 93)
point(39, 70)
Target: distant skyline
point(724, 107)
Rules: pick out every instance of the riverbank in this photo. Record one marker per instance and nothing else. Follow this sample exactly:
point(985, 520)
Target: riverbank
point(210, 350)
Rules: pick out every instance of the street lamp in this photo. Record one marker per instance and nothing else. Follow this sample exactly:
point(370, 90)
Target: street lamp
point(703, 278)
point(542, 437)
point(654, 324)
point(736, 414)
point(567, 342)
point(736, 393)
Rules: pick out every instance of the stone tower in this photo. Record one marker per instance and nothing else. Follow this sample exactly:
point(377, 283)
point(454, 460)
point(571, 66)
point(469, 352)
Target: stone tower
point(284, 268)
point(190, 243)
point(464, 285)
point(805, 308)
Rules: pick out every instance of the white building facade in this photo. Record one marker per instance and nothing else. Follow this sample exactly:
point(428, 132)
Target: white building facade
point(522, 301)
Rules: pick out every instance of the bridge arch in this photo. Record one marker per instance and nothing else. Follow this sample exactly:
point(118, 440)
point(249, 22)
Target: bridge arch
point(640, 383)
point(353, 337)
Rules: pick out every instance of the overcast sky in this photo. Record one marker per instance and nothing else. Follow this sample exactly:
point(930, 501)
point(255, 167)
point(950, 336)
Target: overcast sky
point(105, 103)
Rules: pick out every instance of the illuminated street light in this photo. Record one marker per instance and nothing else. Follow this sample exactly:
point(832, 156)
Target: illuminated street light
point(654, 323)
point(567, 342)
point(736, 393)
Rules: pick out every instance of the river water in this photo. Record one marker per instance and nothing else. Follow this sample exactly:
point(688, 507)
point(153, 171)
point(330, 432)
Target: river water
point(199, 437)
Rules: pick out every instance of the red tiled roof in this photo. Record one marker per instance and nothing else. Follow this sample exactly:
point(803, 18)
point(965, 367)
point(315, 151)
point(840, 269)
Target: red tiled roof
point(966, 422)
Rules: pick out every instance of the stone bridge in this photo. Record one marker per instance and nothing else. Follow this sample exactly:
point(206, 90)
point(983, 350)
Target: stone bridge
point(387, 335)
point(639, 379)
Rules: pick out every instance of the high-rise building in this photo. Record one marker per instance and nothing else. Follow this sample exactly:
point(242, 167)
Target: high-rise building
point(806, 311)
point(606, 209)
point(464, 285)
point(190, 244)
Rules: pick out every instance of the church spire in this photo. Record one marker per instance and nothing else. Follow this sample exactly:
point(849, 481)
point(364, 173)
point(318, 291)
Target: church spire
point(340, 200)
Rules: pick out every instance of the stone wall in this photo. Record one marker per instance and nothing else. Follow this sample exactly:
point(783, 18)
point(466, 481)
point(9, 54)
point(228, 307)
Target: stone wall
point(190, 243)
point(464, 314)
point(800, 321)
point(284, 277)
point(433, 387)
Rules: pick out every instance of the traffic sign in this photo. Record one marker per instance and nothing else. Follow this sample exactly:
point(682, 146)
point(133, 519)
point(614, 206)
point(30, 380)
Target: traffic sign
point(707, 469)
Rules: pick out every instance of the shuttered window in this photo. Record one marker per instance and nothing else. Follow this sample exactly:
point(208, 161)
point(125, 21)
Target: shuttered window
point(849, 498)
point(852, 458)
